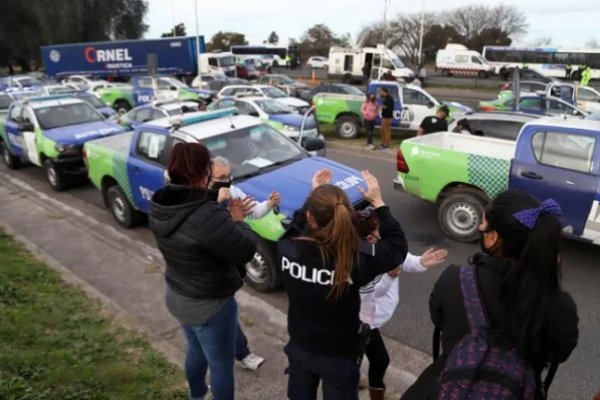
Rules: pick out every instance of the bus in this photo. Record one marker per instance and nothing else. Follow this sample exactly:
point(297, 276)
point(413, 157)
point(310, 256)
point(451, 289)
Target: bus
point(550, 61)
point(273, 55)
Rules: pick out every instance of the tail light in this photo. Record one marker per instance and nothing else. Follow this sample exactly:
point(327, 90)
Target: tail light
point(506, 86)
point(487, 108)
point(401, 164)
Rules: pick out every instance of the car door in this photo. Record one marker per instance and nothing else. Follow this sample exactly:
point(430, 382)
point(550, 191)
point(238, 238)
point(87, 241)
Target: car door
point(146, 169)
point(533, 105)
point(416, 107)
point(29, 138)
point(142, 115)
point(14, 120)
point(588, 99)
point(143, 91)
point(165, 90)
point(558, 163)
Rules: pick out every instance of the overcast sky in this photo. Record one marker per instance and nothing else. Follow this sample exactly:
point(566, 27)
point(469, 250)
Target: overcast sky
point(570, 23)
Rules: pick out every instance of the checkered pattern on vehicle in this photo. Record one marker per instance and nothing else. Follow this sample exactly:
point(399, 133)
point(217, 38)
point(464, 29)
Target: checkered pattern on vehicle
point(489, 174)
point(121, 175)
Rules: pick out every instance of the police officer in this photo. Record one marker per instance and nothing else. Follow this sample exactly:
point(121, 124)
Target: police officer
point(586, 75)
point(568, 69)
point(323, 265)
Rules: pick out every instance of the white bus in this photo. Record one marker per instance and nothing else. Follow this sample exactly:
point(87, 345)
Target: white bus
point(271, 54)
point(550, 61)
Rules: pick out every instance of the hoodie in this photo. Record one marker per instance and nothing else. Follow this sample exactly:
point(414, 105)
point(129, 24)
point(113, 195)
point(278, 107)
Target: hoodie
point(200, 242)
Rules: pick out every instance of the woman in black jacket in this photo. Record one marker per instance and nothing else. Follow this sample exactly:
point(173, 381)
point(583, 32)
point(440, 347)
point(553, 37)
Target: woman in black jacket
point(202, 244)
point(323, 265)
point(519, 280)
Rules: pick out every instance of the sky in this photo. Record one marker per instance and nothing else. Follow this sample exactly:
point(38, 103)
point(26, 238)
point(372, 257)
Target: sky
point(570, 23)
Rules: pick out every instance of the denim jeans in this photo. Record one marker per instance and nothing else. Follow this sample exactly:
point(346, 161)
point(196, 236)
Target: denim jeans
point(212, 345)
point(241, 344)
point(370, 127)
point(340, 375)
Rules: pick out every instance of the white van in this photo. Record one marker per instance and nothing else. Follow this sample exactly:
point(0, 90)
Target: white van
point(456, 59)
point(217, 62)
point(346, 63)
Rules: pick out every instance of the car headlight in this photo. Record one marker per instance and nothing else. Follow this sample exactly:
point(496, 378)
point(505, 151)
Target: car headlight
point(291, 128)
point(67, 149)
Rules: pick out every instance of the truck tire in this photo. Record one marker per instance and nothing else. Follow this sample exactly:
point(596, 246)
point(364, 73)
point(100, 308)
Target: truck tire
point(121, 209)
point(347, 127)
point(122, 106)
point(11, 161)
point(56, 178)
point(460, 214)
point(261, 272)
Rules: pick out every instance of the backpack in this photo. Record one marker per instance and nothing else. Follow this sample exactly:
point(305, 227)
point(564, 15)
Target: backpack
point(478, 368)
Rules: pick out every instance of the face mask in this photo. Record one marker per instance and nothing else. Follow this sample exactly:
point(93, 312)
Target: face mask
point(213, 191)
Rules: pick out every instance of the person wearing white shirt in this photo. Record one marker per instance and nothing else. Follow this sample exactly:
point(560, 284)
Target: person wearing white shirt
point(380, 298)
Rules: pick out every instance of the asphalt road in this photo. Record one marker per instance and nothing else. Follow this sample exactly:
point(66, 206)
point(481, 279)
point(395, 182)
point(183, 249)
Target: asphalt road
point(579, 378)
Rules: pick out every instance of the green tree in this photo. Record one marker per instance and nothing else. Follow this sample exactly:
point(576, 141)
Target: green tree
point(224, 40)
point(25, 26)
point(317, 40)
point(179, 31)
point(273, 38)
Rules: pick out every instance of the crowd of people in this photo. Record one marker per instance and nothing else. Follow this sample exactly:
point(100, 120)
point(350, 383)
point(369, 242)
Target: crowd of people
point(502, 317)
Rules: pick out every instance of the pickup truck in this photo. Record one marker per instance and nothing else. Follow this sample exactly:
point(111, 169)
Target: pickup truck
point(147, 89)
point(50, 132)
point(552, 158)
point(129, 168)
point(411, 105)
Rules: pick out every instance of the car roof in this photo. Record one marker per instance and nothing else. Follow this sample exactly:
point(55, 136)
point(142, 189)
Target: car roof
point(51, 101)
point(586, 124)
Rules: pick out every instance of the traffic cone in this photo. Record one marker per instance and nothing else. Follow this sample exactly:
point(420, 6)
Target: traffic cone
point(313, 78)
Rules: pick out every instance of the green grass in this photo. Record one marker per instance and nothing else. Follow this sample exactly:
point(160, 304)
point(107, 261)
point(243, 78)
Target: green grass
point(398, 135)
point(56, 344)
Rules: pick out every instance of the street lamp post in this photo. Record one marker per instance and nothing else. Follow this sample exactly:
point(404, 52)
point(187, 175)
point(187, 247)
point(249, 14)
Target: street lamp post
point(421, 34)
point(197, 43)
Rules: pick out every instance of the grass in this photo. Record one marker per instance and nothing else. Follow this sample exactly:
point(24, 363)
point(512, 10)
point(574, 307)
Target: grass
point(56, 344)
point(398, 135)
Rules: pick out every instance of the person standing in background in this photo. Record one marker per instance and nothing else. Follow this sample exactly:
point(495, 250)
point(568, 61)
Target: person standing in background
point(387, 115)
point(370, 111)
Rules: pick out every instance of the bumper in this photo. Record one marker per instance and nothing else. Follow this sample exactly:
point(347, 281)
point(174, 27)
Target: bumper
point(399, 184)
point(72, 166)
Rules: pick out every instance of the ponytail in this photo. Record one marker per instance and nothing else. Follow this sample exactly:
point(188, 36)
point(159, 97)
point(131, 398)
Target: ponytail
point(344, 240)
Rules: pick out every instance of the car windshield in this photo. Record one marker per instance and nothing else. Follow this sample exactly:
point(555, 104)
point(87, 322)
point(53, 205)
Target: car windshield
point(284, 79)
point(168, 82)
point(66, 114)
point(274, 93)
point(353, 90)
point(93, 101)
point(227, 61)
point(254, 150)
point(273, 107)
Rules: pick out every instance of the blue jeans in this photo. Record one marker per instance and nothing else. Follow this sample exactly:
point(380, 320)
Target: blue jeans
point(241, 344)
point(212, 345)
point(340, 375)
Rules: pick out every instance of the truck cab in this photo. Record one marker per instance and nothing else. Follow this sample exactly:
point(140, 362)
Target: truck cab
point(583, 97)
point(217, 62)
point(50, 132)
point(347, 64)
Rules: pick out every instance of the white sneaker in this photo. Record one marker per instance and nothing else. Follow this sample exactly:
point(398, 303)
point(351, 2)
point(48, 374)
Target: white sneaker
point(370, 147)
point(252, 362)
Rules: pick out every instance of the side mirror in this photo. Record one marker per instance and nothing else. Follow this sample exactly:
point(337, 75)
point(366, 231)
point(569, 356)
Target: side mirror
point(313, 144)
point(431, 104)
point(26, 126)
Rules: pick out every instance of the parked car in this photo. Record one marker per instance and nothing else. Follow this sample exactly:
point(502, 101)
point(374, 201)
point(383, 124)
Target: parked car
point(526, 87)
point(51, 90)
point(247, 71)
point(283, 82)
point(525, 74)
point(268, 91)
point(95, 102)
point(340, 88)
point(276, 114)
point(317, 62)
point(543, 105)
point(150, 112)
point(499, 125)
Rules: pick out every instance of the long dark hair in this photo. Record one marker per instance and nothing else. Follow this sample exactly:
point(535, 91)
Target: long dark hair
point(532, 285)
point(189, 165)
point(335, 233)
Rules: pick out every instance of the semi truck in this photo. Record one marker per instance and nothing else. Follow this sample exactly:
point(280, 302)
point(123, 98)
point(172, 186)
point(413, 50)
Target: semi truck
point(124, 58)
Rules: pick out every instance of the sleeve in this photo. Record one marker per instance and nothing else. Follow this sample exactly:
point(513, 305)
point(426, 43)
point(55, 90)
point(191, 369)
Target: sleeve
point(567, 328)
point(237, 193)
point(260, 209)
point(389, 252)
point(436, 300)
point(298, 223)
point(384, 284)
point(412, 264)
point(232, 241)
point(424, 123)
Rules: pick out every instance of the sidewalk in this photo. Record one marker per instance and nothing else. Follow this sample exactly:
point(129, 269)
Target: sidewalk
point(126, 276)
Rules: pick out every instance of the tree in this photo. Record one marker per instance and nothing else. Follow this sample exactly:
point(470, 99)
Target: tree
point(179, 31)
point(317, 40)
point(437, 37)
point(273, 38)
point(26, 27)
point(541, 41)
point(592, 43)
point(224, 40)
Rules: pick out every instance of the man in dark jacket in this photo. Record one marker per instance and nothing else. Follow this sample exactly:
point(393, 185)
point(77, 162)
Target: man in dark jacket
point(387, 115)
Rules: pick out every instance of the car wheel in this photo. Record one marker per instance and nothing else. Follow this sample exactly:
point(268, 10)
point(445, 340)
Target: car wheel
point(261, 272)
point(11, 161)
point(461, 213)
point(122, 107)
point(55, 177)
point(347, 127)
point(121, 209)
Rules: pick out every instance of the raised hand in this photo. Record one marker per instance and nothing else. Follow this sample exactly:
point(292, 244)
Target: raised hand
point(236, 209)
point(432, 258)
point(321, 177)
point(248, 204)
point(373, 192)
point(274, 199)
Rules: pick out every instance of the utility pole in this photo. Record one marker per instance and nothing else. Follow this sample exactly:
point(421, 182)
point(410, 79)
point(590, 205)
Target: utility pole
point(197, 43)
point(384, 30)
point(421, 35)
point(173, 16)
